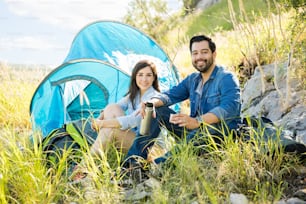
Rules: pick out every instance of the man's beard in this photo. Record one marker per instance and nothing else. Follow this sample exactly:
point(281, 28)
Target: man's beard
point(206, 67)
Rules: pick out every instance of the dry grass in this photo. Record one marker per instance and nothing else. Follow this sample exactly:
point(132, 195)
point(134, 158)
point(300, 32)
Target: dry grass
point(17, 88)
point(236, 167)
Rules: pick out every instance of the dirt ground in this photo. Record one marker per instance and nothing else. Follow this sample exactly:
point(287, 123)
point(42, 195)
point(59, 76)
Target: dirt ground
point(296, 181)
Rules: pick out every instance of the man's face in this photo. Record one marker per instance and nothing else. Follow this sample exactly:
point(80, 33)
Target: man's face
point(201, 56)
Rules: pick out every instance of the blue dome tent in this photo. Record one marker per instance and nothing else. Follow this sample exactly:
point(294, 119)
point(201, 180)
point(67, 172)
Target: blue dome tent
point(122, 45)
point(96, 72)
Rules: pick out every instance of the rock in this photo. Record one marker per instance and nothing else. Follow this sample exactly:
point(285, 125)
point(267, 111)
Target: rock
point(301, 194)
point(295, 201)
point(253, 87)
point(152, 183)
point(137, 193)
point(295, 120)
point(141, 190)
point(205, 4)
point(236, 198)
point(291, 201)
point(281, 202)
point(271, 102)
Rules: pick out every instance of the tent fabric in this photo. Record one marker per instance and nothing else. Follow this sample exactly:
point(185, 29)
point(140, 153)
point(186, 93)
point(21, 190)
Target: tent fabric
point(106, 84)
point(96, 72)
point(122, 45)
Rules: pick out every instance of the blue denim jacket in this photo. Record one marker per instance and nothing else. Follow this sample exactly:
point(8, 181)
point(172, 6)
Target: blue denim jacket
point(220, 96)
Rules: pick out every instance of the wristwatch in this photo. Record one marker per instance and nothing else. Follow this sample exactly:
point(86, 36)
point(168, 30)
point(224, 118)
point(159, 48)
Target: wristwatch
point(200, 119)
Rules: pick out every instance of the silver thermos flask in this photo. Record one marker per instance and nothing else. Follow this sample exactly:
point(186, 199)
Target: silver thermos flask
point(146, 121)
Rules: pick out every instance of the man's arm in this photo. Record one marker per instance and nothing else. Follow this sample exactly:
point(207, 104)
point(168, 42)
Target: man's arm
point(208, 118)
point(156, 102)
point(230, 99)
point(184, 120)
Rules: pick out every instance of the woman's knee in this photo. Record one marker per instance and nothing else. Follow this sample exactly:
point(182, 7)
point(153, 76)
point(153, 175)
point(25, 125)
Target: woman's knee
point(112, 111)
point(112, 106)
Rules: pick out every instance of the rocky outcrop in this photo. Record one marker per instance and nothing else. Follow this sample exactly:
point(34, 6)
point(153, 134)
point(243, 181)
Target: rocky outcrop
point(284, 103)
point(206, 3)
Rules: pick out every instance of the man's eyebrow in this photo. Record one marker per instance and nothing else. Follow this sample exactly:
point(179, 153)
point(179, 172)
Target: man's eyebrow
point(205, 49)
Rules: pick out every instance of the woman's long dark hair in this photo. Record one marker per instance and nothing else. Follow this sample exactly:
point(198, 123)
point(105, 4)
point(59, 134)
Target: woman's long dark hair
point(133, 89)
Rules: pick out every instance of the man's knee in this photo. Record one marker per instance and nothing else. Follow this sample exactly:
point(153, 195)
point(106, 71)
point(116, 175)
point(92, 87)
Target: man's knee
point(164, 112)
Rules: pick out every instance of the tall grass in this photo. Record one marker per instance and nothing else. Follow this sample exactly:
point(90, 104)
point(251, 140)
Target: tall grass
point(235, 167)
point(255, 168)
point(275, 38)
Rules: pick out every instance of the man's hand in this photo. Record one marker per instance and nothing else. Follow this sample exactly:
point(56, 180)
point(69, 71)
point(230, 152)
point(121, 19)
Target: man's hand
point(184, 120)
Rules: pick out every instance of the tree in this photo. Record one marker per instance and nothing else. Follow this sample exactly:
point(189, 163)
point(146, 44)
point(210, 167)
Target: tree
point(148, 16)
point(189, 5)
point(296, 4)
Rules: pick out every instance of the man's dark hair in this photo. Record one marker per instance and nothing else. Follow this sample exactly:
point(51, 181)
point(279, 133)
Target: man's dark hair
point(199, 38)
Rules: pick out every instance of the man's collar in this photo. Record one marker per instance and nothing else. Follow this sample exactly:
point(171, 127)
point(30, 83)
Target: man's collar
point(214, 73)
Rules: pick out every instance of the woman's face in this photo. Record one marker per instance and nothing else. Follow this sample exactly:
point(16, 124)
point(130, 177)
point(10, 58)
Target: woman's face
point(144, 78)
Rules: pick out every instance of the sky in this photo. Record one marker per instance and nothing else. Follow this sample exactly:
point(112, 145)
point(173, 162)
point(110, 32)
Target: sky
point(41, 31)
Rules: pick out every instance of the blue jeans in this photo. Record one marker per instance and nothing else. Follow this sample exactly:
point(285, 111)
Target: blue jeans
point(142, 143)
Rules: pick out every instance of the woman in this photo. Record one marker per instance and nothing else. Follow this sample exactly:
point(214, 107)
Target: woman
point(119, 122)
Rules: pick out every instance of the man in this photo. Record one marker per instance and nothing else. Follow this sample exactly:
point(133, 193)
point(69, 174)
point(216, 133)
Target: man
point(214, 96)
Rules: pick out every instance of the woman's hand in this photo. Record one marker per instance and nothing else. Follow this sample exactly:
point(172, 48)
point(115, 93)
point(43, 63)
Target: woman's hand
point(96, 124)
point(142, 110)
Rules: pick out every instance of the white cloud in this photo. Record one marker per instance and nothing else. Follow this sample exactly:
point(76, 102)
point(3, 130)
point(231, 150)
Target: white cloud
point(26, 42)
point(73, 14)
point(43, 30)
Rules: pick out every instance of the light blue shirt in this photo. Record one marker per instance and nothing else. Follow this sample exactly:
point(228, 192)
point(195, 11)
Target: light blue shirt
point(132, 119)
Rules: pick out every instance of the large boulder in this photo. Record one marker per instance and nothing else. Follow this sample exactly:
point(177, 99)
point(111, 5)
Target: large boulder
point(284, 105)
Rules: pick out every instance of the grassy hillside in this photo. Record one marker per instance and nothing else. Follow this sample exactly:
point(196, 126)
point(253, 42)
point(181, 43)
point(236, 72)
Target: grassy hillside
point(235, 167)
point(247, 34)
point(217, 17)
point(18, 84)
